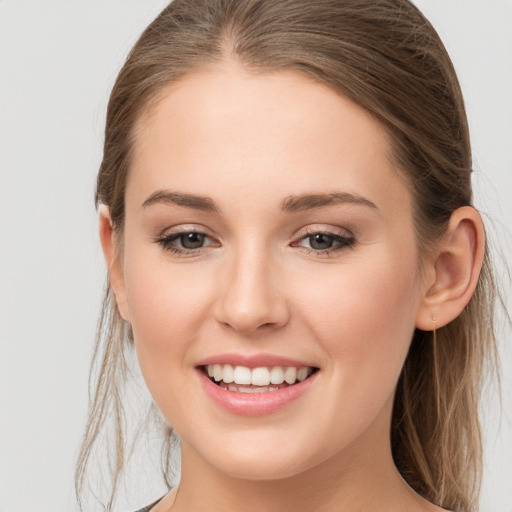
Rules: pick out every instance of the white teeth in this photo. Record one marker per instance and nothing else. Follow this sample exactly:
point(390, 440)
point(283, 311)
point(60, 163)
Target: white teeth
point(262, 389)
point(249, 389)
point(242, 375)
point(290, 375)
point(217, 372)
point(228, 374)
point(276, 375)
point(302, 374)
point(261, 376)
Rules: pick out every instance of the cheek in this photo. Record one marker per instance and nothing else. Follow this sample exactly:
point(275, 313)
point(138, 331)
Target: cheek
point(165, 311)
point(167, 303)
point(363, 321)
point(364, 314)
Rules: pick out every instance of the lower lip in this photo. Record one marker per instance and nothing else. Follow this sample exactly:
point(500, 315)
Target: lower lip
point(254, 404)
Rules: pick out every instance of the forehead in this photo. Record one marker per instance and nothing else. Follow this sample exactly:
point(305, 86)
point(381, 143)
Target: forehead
point(227, 131)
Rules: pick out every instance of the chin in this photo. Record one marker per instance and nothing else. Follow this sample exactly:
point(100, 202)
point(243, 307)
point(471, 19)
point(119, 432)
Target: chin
point(272, 463)
point(259, 470)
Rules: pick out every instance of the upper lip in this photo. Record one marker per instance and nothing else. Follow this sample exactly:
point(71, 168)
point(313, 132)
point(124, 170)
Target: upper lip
point(254, 361)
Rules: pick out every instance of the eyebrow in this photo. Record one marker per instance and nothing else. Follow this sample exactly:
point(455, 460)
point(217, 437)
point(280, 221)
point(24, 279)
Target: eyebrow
point(290, 204)
point(310, 201)
point(192, 201)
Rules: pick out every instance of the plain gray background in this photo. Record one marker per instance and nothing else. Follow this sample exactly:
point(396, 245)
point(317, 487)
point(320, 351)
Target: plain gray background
point(58, 61)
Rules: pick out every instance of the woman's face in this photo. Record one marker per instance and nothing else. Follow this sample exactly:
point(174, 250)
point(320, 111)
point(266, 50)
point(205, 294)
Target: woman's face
point(266, 228)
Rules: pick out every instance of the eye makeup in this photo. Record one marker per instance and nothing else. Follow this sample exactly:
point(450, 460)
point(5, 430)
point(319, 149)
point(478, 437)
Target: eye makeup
point(192, 242)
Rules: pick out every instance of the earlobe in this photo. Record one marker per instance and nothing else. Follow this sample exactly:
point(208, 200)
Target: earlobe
point(456, 269)
point(113, 261)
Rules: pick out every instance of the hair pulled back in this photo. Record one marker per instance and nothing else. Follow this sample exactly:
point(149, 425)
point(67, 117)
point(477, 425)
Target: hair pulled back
point(386, 57)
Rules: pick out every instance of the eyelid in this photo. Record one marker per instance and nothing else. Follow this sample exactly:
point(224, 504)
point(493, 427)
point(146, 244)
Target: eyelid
point(185, 228)
point(324, 229)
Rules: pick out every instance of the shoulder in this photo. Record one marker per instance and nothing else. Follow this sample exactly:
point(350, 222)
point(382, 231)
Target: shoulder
point(147, 508)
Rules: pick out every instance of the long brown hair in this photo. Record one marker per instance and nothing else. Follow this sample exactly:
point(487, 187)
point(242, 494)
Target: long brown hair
point(386, 57)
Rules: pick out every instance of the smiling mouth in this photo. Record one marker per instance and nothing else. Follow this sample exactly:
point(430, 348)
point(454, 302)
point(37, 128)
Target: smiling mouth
point(243, 379)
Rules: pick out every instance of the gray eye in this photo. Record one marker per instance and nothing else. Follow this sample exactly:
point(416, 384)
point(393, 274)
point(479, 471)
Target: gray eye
point(192, 240)
point(320, 241)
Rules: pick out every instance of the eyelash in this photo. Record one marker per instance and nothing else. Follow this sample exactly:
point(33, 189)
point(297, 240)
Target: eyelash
point(342, 241)
point(167, 241)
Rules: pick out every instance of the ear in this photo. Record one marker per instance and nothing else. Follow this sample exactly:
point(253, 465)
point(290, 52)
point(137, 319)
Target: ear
point(113, 260)
point(454, 270)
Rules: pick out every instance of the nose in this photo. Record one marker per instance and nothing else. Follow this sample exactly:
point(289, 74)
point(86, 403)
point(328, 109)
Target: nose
point(251, 297)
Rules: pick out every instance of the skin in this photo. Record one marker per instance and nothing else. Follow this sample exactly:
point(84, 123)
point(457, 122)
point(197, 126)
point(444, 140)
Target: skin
point(249, 142)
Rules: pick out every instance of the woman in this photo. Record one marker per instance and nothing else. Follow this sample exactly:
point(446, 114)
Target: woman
point(286, 216)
